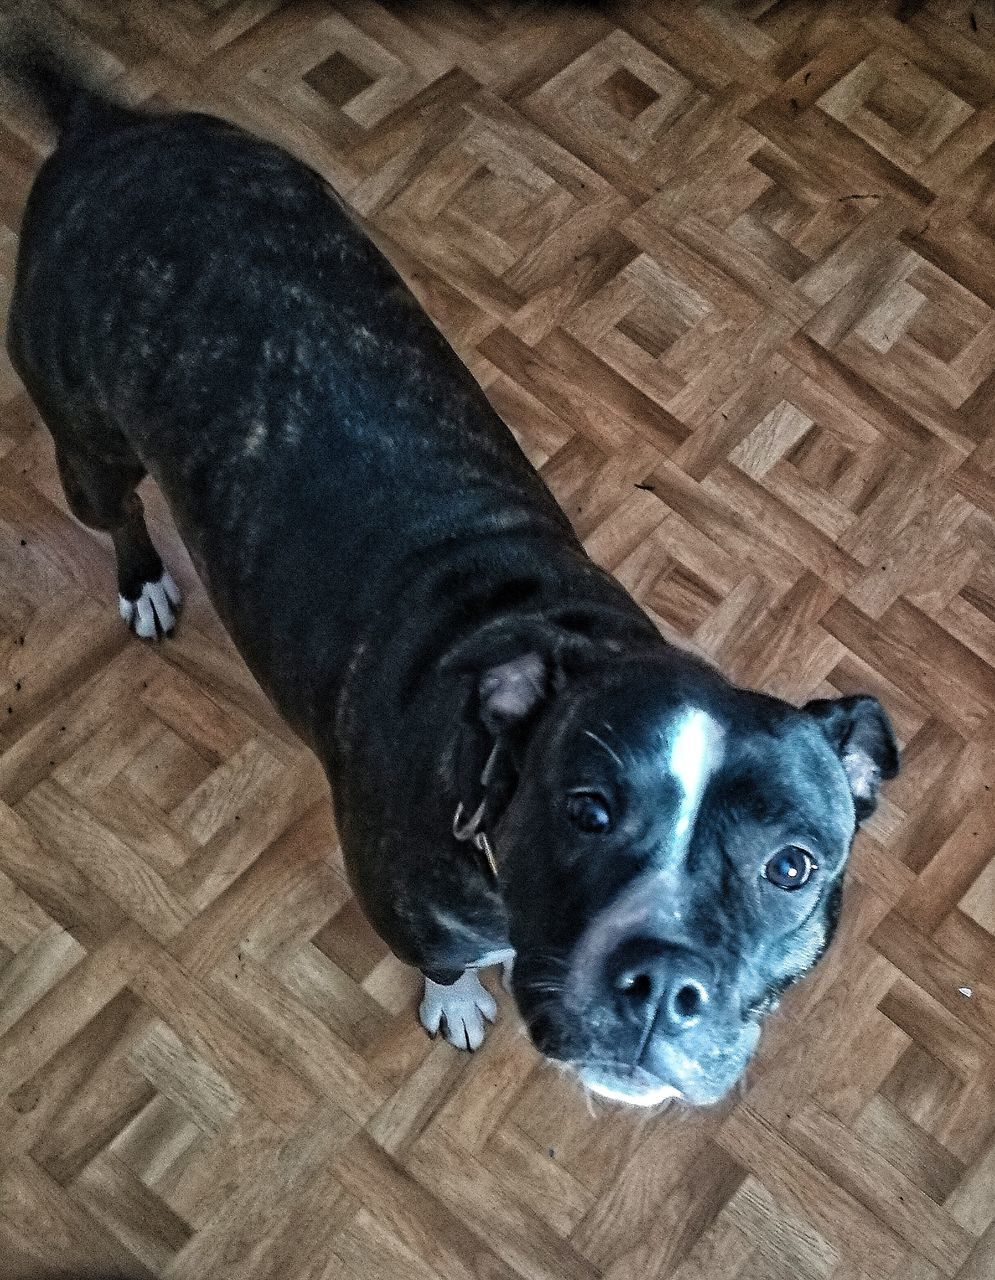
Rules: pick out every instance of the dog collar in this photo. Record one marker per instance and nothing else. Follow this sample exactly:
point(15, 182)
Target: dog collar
point(471, 829)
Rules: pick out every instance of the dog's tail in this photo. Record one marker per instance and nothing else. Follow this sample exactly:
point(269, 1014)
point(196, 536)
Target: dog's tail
point(49, 75)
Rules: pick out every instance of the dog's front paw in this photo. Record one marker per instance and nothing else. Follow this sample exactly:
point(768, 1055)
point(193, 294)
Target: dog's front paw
point(153, 613)
point(459, 1010)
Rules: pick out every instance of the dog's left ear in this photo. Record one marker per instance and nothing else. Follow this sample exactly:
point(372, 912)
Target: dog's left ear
point(860, 732)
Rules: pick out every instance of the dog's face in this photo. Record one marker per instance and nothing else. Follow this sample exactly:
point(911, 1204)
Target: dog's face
point(672, 861)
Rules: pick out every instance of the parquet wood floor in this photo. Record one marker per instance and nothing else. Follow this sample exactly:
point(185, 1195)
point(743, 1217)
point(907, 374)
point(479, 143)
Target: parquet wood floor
point(728, 270)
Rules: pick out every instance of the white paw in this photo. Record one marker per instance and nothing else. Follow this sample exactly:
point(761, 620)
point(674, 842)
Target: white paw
point(459, 1010)
point(153, 613)
point(505, 958)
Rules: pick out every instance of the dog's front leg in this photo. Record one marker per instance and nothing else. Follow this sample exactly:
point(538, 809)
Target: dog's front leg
point(458, 1009)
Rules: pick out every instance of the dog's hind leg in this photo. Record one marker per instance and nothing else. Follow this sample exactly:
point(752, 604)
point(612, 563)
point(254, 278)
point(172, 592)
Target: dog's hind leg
point(102, 495)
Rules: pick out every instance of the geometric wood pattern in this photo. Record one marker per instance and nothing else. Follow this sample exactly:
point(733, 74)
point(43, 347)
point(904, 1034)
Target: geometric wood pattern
point(728, 271)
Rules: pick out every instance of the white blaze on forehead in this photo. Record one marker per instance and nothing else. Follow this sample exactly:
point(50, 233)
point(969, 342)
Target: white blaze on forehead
point(695, 754)
point(649, 903)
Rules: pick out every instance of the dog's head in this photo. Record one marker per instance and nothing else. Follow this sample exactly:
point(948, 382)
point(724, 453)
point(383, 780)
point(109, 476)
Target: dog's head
point(671, 858)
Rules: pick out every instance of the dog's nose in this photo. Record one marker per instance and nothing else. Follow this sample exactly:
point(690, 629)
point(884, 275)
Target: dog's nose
point(651, 978)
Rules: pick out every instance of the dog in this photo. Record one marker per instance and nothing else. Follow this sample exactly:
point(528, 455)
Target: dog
point(522, 769)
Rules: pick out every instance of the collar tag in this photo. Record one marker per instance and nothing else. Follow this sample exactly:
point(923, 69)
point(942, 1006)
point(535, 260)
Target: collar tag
point(469, 828)
point(484, 845)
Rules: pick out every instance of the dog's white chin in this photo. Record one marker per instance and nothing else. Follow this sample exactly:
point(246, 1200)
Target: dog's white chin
point(630, 1093)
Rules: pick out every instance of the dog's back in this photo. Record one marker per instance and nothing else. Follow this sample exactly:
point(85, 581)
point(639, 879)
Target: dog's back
point(192, 301)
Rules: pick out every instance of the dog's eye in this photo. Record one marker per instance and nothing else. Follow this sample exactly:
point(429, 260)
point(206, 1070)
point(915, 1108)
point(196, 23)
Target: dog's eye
point(589, 812)
point(791, 868)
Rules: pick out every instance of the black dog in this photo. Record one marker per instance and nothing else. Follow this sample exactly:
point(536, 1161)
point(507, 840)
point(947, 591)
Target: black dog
point(519, 763)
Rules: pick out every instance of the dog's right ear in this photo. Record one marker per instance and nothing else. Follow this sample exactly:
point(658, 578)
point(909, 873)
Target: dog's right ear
point(511, 691)
point(518, 668)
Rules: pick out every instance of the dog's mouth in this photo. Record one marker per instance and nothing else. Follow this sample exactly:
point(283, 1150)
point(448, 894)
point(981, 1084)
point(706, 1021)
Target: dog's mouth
point(621, 1082)
point(644, 1071)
